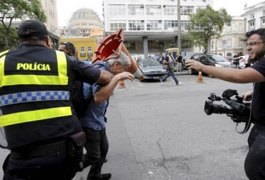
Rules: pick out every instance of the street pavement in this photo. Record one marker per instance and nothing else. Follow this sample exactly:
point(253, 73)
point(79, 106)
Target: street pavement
point(159, 131)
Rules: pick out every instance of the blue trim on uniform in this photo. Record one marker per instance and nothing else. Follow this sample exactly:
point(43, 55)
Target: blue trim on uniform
point(33, 96)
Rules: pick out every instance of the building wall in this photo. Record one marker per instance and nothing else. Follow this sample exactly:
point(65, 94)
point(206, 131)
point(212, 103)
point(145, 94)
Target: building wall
point(85, 46)
point(232, 40)
point(50, 9)
point(255, 16)
point(151, 21)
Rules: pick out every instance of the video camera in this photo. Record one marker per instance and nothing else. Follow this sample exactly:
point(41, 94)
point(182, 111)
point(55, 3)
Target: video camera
point(233, 106)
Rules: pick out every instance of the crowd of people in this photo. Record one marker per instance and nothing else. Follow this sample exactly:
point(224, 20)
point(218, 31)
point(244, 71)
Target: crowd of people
point(40, 126)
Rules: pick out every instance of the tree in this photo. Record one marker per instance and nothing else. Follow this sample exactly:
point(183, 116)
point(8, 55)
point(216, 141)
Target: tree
point(206, 24)
point(16, 10)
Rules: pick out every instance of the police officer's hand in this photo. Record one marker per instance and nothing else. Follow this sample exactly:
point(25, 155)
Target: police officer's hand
point(125, 75)
point(192, 64)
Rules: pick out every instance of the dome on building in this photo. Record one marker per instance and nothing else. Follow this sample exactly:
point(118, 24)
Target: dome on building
point(83, 21)
point(85, 18)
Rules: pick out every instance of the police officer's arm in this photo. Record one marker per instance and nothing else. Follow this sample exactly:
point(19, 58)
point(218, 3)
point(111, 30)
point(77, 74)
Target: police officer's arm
point(246, 75)
point(104, 77)
point(106, 91)
point(90, 74)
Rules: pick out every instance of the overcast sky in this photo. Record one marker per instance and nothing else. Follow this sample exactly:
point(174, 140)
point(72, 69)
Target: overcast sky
point(66, 7)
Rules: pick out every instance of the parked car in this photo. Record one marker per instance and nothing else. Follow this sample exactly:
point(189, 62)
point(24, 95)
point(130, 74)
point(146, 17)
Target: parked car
point(151, 68)
point(186, 57)
point(212, 60)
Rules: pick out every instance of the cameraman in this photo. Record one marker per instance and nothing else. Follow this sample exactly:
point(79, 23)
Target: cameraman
point(255, 46)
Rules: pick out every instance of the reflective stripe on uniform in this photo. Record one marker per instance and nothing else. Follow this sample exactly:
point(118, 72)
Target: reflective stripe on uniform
point(33, 96)
point(4, 52)
point(35, 115)
point(60, 79)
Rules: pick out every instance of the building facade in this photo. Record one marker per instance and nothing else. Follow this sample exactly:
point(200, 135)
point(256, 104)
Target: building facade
point(85, 31)
point(85, 46)
point(150, 26)
point(232, 40)
point(50, 9)
point(254, 16)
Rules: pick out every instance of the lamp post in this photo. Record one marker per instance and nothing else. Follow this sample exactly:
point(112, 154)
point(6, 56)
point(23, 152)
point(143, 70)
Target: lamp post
point(179, 26)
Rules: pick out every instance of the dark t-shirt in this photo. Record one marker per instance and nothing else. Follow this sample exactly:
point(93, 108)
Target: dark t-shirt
point(258, 99)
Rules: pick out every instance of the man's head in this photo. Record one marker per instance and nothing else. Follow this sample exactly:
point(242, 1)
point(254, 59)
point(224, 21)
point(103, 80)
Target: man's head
point(67, 47)
point(256, 43)
point(33, 31)
point(119, 63)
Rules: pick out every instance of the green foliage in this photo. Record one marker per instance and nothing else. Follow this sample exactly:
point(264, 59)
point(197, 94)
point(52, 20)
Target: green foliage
point(11, 10)
point(11, 38)
point(207, 23)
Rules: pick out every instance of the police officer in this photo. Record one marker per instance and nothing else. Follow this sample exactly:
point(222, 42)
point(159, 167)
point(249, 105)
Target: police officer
point(38, 124)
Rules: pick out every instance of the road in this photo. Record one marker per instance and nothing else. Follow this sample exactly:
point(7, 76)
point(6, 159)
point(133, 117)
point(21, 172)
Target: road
point(160, 132)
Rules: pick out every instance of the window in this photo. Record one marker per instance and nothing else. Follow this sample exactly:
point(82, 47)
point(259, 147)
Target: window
point(89, 49)
point(154, 25)
point(136, 25)
point(117, 10)
point(186, 10)
point(170, 25)
point(185, 25)
point(251, 24)
point(135, 9)
point(262, 21)
point(116, 26)
point(153, 10)
point(170, 10)
point(82, 54)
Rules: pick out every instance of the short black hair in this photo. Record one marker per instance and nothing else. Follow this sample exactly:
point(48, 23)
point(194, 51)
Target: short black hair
point(69, 47)
point(32, 29)
point(260, 32)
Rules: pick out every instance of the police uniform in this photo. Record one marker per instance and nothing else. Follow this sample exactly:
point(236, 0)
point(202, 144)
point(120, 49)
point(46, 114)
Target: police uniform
point(43, 134)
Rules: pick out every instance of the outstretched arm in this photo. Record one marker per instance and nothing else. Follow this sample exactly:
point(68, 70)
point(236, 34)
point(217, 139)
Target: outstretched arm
point(246, 75)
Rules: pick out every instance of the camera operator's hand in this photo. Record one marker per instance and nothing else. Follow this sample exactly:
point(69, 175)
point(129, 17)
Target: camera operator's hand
point(247, 95)
point(193, 64)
